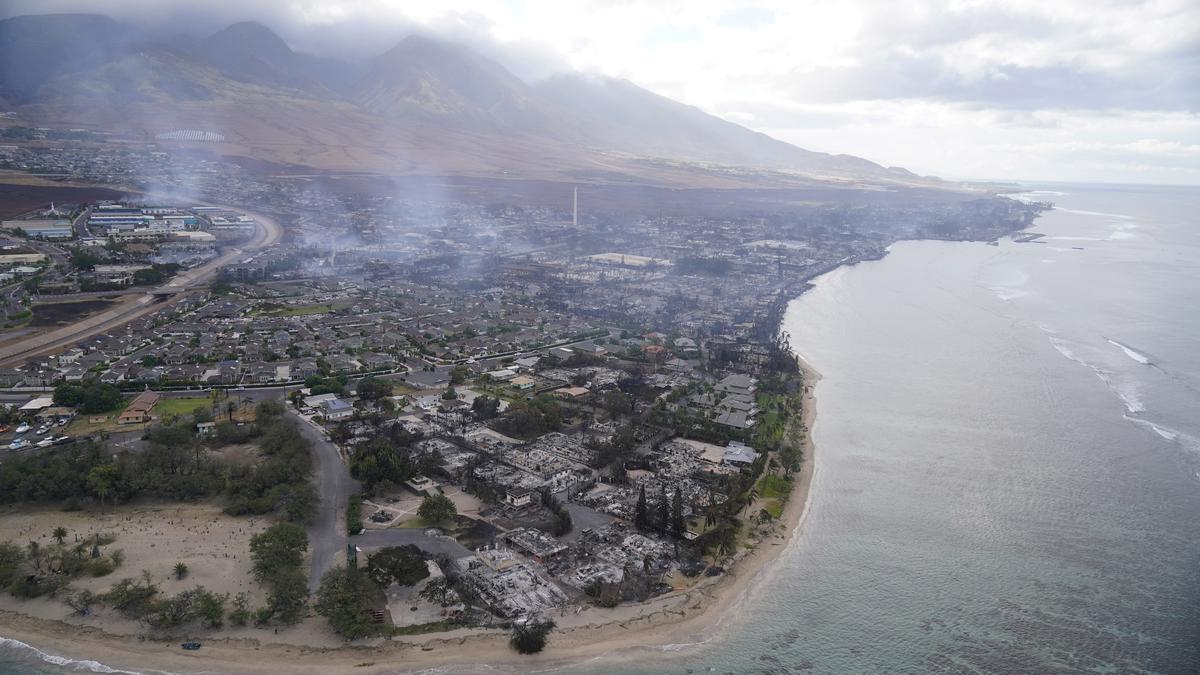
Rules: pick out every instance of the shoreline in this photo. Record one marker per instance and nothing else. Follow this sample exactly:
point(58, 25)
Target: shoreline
point(676, 621)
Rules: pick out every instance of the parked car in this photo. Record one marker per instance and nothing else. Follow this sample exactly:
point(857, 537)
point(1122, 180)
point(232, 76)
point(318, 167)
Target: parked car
point(43, 429)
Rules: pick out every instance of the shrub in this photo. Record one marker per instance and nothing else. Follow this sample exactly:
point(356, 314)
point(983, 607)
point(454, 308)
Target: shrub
point(354, 522)
point(530, 637)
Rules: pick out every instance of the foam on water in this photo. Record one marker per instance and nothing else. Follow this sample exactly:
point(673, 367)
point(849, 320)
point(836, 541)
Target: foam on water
point(81, 665)
point(1169, 434)
point(1132, 353)
point(1102, 214)
point(1126, 391)
point(1036, 195)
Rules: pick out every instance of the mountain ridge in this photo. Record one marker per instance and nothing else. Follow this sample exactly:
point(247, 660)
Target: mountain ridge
point(422, 90)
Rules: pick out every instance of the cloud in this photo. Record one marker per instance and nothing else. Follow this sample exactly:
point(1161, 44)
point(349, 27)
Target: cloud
point(874, 77)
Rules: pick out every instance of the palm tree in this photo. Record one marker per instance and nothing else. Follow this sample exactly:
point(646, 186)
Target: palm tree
point(60, 534)
point(751, 495)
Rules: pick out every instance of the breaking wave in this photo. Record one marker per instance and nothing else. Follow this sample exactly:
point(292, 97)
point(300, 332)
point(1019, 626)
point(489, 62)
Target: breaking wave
point(80, 665)
point(1102, 214)
point(1127, 392)
point(1132, 353)
point(1169, 434)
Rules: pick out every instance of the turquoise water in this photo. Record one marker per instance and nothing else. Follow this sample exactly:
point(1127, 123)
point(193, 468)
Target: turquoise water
point(1008, 474)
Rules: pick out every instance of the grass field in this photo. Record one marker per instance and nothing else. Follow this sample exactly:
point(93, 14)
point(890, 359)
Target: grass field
point(771, 486)
point(82, 425)
point(181, 406)
point(774, 490)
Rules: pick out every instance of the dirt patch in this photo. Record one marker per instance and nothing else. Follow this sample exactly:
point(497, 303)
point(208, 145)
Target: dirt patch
point(63, 313)
point(16, 199)
point(245, 454)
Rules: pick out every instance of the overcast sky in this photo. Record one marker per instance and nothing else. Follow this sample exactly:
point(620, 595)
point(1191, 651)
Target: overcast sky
point(1033, 89)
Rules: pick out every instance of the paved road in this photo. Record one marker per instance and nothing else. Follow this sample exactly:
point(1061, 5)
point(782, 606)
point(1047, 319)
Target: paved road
point(327, 534)
point(400, 536)
point(268, 233)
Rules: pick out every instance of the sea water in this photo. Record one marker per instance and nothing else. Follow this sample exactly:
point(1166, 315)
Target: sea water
point(1008, 467)
point(1008, 462)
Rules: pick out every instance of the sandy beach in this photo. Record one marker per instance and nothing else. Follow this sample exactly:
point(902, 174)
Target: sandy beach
point(679, 618)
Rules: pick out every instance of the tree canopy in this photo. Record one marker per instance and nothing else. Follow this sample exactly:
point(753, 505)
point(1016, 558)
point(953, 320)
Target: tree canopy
point(404, 565)
point(343, 599)
point(373, 389)
point(437, 508)
point(530, 637)
point(280, 546)
point(89, 397)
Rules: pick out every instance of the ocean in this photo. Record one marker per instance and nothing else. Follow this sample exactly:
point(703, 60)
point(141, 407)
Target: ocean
point(1008, 456)
point(1008, 459)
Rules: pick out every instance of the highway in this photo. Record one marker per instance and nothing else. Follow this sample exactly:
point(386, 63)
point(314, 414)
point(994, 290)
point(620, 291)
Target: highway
point(267, 233)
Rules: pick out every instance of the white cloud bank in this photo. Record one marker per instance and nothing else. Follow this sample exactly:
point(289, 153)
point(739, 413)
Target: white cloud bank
point(1033, 89)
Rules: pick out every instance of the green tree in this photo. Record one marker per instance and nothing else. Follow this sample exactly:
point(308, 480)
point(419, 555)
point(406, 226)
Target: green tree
point(60, 534)
point(241, 610)
point(677, 524)
point(288, 596)
point(89, 398)
point(84, 259)
point(343, 599)
point(530, 637)
point(640, 516)
point(373, 389)
point(404, 565)
point(101, 480)
point(438, 591)
point(277, 548)
point(485, 407)
point(437, 508)
point(210, 609)
point(181, 570)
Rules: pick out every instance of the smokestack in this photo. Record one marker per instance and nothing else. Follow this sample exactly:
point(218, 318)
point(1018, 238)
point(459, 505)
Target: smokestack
point(575, 211)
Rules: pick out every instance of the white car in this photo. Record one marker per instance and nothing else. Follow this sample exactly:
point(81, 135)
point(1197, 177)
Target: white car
point(42, 430)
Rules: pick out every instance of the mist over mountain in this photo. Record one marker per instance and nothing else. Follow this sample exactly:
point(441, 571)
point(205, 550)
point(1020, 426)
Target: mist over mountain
point(424, 105)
